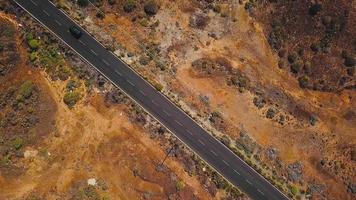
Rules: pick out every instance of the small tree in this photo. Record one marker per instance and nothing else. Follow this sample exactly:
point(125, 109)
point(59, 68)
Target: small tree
point(129, 5)
point(151, 7)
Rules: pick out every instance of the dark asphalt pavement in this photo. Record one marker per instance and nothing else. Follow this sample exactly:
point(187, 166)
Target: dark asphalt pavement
point(189, 132)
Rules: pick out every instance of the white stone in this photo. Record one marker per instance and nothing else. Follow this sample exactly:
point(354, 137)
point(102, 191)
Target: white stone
point(92, 182)
point(30, 153)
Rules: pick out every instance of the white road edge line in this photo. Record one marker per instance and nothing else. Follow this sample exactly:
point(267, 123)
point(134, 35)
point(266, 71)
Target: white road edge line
point(236, 172)
point(135, 100)
point(225, 163)
point(201, 142)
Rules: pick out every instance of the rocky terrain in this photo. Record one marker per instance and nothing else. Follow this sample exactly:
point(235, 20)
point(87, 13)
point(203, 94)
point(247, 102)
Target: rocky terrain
point(273, 80)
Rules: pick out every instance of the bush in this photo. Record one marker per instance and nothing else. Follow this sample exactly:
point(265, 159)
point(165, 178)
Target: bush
point(25, 91)
point(129, 5)
point(71, 98)
point(350, 61)
point(292, 57)
point(179, 185)
point(17, 143)
point(293, 189)
point(111, 2)
point(295, 67)
point(33, 44)
point(83, 3)
point(303, 81)
point(151, 7)
point(314, 9)
point(100, 14)
point(144, 60)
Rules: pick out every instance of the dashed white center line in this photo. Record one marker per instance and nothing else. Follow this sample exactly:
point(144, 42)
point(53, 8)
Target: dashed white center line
point(130, 82)
point(189, 132)
point(260, 192)
point(154, 103)
point(33, 3)
point(248, 182)
point(106, 62)
point(225, 163)
point(180, 124)
point(213, 152)
point(46, 12)
point(93, 52)
point(165, 112)
point(201, 142)
point(57, 22)
point(81, 42)
point(117, 71)
point(237, 172)
point(144, 94)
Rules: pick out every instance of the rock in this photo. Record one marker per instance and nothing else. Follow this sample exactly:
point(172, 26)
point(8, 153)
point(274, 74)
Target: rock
point(92, 182)
point(351, 188)
point(295, 171)
point(30, 153)
point(271, 153)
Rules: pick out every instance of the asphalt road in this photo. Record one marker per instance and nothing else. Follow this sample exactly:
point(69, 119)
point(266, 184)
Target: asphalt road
point(181, 125)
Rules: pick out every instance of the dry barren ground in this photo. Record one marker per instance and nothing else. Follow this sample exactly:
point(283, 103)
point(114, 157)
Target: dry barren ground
point(215, 60)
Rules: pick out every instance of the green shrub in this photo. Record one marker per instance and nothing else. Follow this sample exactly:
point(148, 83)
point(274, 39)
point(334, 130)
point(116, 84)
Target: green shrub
point(179, 185)
point(129, 5)
point(151, 7)
point(29, 36)
point(71, 98)
point(33, 56)
point(33, 44)
point(158, 86)
point(25, 91)
point(144, 22)
point(294, 189)
point(17, 143)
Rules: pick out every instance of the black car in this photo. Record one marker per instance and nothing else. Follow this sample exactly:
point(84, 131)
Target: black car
point(75, 31)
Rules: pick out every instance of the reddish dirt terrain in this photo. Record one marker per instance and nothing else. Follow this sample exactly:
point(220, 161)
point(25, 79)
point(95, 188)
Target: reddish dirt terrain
point(92, 151)
point(289, 87)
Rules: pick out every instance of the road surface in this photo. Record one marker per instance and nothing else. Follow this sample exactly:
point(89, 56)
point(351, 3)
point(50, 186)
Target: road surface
point(173, 118)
